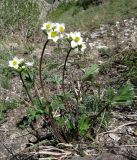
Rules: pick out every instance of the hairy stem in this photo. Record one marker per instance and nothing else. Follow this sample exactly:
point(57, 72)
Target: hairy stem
point(40, 70)
point(56, 130)
point(64, 69)
point(37, 93)
point(52, 122)
point(25, 87)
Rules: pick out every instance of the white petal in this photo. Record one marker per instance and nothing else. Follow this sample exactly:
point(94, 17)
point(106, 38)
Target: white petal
point(72, 35)
point(55, 39)
point(77, 34)
point(16, 67)
point(10, 64)
point(42, 28)
point(29, 64)
point(16, 59)
point(21, 60)
point(49, 35)
point(83, 47)
point(73, 44)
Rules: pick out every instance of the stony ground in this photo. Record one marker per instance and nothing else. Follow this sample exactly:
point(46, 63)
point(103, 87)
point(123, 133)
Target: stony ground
point(119, 140)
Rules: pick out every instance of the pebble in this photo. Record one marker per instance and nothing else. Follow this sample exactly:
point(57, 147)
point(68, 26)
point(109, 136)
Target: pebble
point(109, 156)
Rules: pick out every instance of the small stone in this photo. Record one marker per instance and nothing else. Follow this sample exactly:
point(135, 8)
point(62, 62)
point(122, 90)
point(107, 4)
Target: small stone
point(81, 158)
point(33, 139)
point(114, 137)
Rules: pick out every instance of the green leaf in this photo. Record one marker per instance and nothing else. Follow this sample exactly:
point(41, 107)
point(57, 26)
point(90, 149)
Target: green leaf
point(5, 82)
point(52, 65)
point(91, 73)
point(110, 94)
point(106, 120)
point(57, 102)
point(83, 124)
point(69, 124)
point(28, 75)
point(60, 121)
point(124, 96)
point(56, 79)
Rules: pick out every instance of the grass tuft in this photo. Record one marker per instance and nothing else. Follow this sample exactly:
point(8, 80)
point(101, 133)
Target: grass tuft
point(18, 16)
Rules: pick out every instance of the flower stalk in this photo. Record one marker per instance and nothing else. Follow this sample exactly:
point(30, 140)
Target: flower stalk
point(40, 71)
point(25, 87)
point(64, 69)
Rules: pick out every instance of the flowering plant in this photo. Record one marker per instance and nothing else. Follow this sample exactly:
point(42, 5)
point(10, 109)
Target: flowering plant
point(65, 111)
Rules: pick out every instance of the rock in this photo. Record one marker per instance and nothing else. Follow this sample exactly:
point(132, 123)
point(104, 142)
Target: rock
point(109, 156)
point(45, 7)
point(81, 158)
point(95, 35)
point(33, 139)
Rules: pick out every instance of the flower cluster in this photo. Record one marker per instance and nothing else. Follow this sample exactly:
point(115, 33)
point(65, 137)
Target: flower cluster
point(55, 32)
point(17, 63)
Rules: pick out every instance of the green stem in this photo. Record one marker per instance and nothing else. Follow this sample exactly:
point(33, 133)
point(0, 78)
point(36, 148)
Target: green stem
point(40, 70)
point(25, 87)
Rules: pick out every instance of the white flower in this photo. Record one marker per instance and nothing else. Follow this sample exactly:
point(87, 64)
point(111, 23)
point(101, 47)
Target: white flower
point(48, 26)
point(68, 36)
point(15, 62)
point(76, 39)
point(83, 47)
point(54, 35)
point(21, 60)
point(29, 64)
point(60, 27)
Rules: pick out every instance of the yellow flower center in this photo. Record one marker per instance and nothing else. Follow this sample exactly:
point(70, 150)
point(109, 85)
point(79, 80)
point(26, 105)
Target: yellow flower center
point(48, 26)
point(14, 63)
point(77, 39)
point(61, 29)
point(54, 34)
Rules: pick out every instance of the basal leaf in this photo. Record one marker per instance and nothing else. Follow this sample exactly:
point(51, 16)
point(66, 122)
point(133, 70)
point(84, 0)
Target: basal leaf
point(91, 72)
point(124, 96)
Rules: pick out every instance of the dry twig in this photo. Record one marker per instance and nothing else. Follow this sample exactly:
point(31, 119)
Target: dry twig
point(117, 128)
